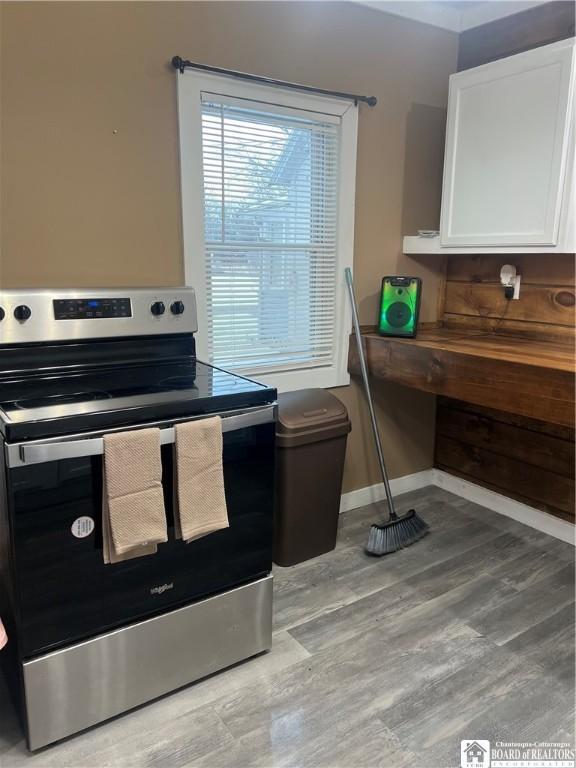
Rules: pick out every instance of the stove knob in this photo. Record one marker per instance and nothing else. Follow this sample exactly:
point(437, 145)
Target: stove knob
point(158, 308)
point(2, 314)
point(177, 307)
point(22, 312)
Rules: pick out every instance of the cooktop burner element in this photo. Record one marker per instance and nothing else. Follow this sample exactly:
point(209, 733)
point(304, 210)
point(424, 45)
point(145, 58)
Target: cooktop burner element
point(62, 399)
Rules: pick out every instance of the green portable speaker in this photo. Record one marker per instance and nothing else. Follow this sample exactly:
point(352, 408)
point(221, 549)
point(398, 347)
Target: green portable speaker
point(399, 306)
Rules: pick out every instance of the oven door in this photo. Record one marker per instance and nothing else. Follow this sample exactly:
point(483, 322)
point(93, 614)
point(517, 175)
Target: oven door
point(66, 592)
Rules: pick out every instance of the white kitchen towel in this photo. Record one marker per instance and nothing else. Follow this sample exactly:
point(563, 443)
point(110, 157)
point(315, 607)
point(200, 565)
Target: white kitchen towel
point(199, 498)
point(133, 515)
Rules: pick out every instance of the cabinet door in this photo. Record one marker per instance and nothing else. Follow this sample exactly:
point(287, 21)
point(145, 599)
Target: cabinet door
point(506, 149)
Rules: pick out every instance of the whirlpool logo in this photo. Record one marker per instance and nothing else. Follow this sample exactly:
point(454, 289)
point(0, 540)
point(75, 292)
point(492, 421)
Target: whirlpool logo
point(159, 590)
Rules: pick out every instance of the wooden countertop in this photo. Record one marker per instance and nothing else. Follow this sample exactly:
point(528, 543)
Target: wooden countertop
point(510, 373)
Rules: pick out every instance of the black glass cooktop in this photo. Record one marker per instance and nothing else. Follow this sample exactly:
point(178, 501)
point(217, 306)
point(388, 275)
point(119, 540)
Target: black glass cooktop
point(46, 405)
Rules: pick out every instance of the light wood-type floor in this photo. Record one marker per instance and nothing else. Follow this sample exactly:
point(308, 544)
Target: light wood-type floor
point(468, 634)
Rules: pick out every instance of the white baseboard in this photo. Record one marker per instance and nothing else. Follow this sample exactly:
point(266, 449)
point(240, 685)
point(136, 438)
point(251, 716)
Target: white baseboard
point(535, 518)
point(372, 493)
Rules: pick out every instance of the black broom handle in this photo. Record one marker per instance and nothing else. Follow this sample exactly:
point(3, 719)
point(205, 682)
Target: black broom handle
point(350, 284)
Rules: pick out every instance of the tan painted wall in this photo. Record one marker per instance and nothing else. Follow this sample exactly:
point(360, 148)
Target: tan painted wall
point(90, 188)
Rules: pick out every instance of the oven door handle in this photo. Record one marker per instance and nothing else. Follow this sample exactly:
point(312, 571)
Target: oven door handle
point(39, 453)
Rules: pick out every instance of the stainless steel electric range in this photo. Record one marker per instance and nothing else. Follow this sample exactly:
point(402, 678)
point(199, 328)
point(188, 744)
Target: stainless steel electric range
point(88, 640)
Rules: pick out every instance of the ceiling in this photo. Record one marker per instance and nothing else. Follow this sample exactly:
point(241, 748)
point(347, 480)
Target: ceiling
point(455, 15)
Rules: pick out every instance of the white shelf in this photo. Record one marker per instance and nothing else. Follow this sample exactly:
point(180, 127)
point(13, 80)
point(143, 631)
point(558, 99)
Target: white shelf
point(431, 245)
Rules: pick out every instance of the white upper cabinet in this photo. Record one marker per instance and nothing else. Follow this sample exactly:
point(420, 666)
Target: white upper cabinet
point(509, 157)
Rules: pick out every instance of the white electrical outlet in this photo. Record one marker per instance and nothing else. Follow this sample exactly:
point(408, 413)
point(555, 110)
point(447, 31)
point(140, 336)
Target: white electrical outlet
point(511, 281)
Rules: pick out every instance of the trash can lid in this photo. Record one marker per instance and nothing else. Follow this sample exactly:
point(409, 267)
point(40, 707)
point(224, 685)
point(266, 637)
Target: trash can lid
point(311, 414)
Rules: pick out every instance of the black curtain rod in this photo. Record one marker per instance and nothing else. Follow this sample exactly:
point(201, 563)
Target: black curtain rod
point(182, 64)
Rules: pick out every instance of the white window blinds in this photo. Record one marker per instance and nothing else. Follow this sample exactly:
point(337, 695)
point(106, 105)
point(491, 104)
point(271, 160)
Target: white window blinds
point(270, 223)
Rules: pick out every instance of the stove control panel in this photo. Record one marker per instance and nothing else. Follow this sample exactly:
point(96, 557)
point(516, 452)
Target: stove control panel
point(86, 309)
point(68, 314)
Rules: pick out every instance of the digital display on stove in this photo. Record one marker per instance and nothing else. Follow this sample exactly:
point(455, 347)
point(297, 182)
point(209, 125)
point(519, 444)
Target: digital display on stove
point(89, 309)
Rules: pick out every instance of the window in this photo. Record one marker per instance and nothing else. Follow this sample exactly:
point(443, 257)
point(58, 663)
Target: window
point(268, 205)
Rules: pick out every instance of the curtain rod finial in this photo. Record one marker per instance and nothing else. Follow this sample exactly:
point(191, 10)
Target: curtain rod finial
point(371, 101)
point(178, 63)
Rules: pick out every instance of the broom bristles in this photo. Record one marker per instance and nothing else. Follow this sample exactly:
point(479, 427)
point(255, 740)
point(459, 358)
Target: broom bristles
point(396, 534)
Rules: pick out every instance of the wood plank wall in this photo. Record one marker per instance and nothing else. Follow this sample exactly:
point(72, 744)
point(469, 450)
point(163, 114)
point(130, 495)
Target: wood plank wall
point(525, 459)
point(474, 297)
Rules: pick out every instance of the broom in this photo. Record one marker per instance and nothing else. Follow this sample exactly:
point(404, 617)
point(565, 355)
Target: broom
point(397, 532)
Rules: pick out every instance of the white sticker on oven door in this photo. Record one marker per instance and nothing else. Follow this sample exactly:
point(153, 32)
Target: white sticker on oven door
point(82, 527)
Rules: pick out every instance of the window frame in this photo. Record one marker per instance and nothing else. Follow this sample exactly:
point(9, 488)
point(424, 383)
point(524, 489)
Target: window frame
point(191, 85)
